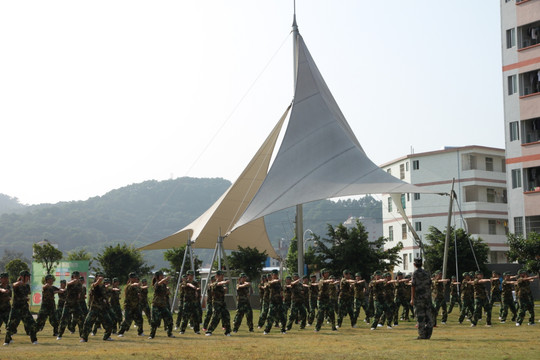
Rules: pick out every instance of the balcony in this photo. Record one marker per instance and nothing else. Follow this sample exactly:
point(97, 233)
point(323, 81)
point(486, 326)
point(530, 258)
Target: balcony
point(531, 181)
point(531, 131)
point(528, 35)
point(529, 83)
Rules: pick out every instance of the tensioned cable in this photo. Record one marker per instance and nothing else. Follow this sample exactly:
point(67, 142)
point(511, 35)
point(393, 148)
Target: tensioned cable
point(248, 91)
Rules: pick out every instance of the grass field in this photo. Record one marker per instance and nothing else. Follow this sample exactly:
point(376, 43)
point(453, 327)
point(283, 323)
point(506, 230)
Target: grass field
point(451, 341)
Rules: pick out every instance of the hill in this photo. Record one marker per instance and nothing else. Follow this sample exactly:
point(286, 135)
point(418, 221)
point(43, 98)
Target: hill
point(141, 213)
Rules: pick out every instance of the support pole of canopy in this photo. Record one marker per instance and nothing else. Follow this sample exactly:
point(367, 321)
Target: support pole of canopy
point(188, 249)
point(448, 223)
point(227, 268)
point(210, 270)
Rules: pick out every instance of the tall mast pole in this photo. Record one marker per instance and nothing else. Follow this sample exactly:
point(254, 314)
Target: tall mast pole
point(299, 207)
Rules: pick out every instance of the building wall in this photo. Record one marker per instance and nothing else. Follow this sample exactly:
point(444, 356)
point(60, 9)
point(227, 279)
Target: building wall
point(521, 59)
point(483, 215)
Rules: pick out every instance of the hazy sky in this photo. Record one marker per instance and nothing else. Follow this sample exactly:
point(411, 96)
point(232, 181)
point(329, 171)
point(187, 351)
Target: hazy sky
point(96, 95)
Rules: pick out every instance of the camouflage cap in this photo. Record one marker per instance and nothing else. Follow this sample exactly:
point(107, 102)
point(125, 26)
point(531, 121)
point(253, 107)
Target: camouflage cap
point(288, 277)
point(4, 275)
point(98, 274)
point(190, 272)
point(75, 273)
point(418, 261)
point(312, 276)
point(387, 274)
point(213, 277)
point(507, 273)
point(453, 277)
point(377, 272)
point(346, 272)
point(116, 280)
point(358, 274)
point(157, 273)
point(263, 276)
point(295, 274)
point(219, 272)
point(465, 274)
point(332, 277)
point(471, 273)
point(24, 273)
point(275, 271)
point(107, 280)
point(133, 275)
point(323, 271)
point(408, 276)
point(242, 275)
point(305, 277)
point(48, 276)
point(496, 272)
point(63, 281)
point(81, 278)
point(399, 273)
point(522, 271)
point(478, 272)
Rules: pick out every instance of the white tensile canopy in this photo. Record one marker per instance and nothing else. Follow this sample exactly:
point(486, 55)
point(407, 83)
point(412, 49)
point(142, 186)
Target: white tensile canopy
point(319, 158)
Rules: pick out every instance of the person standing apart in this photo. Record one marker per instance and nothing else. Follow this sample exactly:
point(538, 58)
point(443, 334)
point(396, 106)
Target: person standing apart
point(421, 300)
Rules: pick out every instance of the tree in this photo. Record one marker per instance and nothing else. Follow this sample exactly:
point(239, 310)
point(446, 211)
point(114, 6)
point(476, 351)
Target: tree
point(525, 251)
point(14, 267)
point(12, 255)
point(248, 260)
point(175, 256)
point(80, 255)
point(118, 261)
point(434, 251)
point(312, 260)
point(47, 255)
point(349, 248)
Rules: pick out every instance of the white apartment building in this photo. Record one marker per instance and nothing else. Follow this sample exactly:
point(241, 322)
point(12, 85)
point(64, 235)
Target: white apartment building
point(520, 32)
point(480, 187)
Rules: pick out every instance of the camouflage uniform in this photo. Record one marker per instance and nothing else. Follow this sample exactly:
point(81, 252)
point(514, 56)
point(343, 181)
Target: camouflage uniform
point(298, 310)
point(496, 293)
point(345, 302)
point(132, 309)
point(20, 311)
point(160, 309)
point(244, 307)
point(480, 302)
point(99, 311)
point(61, 301)
point(467, 298)
point(48, 309)
point(507, 301)
point(421, 282)
point(72, 307)
point(180, 314)
point(5, 300)
point(209, 305)
point(439, 301)
point(265, 295)
point(287, 296)
point(524, 295)
point(276, 313)
point(454, 295)
point(360, 301)
point(313, 295)
point(190, 311)
point(400, 299)
point(115, 308)
point(220, 310)
point(326, 308)
point(145, 307)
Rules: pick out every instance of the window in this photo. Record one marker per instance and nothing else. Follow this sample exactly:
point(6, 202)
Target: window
point(389, 204)
point(418, 226)
point(492, 227)
point(503, 165)
point(491, 195)
point(416, 164)
point(404, 231)
point(390, 233)
point(514, 130)
point(410, 257)
point(512, 84)
point(408, 197)
point(472, 162)
point(489, 164)
point(518, 226)
point(403, 202)
point(407, 166)
point(402, 171)
point(416, 196)
point(510, 38)
point(405, 262)
point(389, 171)
point(516, 178)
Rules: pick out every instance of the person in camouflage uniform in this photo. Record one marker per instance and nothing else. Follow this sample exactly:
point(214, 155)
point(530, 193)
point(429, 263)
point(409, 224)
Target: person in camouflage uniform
point(264, 293)
point(5, 298)
point(421, 300)
point(243, 289)
point(439, 300)
point(360, 300)
point(180, 315)
point(72, 306)
point(313, 294)
point(160, 305)
point(221, 313)
point(116, 309)
point(298, 310)
point(209, 300)
point(345, 299)
point(48, 306)
point(495, 293)
point(276, 313)
point(108, 296)
point(287, 295)
point(324, 304)
point(480, 299)
point(525, 298)
point(190, 311)
point(400, 298)
point(454, 294)
point(145, 307)
point(467, 297)
point(132, 308)
point(507, 298)
point(61, 300)
point(99, 310)
point(20, 309)
point(334, 293)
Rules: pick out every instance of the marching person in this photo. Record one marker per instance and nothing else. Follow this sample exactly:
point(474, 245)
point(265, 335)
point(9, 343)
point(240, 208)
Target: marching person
point(48, 306)
point(160, 305)
point(132, 308)
point(243, 289)
point(220, 308)
point(98, 310)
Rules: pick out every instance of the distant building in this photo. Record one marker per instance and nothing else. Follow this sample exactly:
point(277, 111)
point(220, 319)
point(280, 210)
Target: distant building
point(520, 32)
point(480, 186)
point(374, 228)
